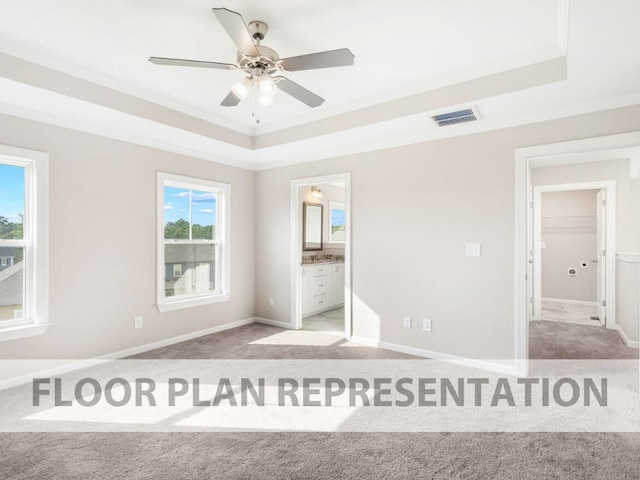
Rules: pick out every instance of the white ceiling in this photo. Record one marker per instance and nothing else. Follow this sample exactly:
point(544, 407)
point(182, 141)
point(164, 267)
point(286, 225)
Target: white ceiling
point(402, 48)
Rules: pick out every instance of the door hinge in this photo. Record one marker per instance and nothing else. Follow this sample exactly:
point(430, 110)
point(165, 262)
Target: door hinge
point(531, 300)
point(531, 204)
point(604, 253)
point(604, 303)
point(604, 203)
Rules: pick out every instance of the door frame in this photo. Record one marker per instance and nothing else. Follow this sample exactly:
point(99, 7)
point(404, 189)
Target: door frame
point(610, 234)
point(296, 247)
point(523, 158)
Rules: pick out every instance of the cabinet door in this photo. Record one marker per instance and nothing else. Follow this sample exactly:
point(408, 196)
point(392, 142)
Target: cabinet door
point(307, 290)
point(338, 284)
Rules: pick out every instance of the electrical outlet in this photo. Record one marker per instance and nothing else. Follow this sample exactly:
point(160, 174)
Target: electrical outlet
point(407, 322)
point(426, 324)
point(137, 322)
point(271, 302)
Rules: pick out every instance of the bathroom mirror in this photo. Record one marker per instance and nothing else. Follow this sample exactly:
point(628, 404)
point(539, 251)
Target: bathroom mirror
point(311, 227)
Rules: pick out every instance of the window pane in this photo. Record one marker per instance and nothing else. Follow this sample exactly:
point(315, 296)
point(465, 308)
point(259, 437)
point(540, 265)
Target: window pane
point(11, 201)
point(337, 225)
point(189, 268)
point(11, 283)
point(176, 213)
point(203, 215)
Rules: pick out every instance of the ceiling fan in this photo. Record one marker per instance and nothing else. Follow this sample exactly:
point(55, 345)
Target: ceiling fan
point(263, 64)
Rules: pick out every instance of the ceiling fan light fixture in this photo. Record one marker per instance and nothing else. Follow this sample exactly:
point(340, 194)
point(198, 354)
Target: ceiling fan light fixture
point(267, 86)
point(242, 88)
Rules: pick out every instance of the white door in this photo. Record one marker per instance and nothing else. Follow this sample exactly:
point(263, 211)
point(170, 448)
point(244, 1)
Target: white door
point(600, 260)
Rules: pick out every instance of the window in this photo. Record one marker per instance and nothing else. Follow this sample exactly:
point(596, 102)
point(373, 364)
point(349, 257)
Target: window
point(193, 242)
point(23, 243)
point(177, 270)
point(337, 225)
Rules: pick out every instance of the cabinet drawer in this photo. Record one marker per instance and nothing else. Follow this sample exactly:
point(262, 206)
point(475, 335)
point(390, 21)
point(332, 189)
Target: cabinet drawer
point(320, 285)
point(319, 302)
point(319, 271)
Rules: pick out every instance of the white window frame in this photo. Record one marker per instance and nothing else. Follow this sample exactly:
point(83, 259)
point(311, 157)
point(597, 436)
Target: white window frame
point(3, 262)
point(340, 206)
point(223, 243)
point(35, 243)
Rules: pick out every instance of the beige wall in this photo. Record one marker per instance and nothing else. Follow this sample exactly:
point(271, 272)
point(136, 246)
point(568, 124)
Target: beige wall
point(626, 190)
point(569, 236)
point(102, 243)
point(413, 209)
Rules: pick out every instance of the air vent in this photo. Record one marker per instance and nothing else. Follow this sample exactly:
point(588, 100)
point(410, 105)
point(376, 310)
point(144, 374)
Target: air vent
point(451, 118)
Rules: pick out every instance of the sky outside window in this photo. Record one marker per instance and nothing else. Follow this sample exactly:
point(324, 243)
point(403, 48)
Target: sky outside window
point(11, 197)
point(177, 205)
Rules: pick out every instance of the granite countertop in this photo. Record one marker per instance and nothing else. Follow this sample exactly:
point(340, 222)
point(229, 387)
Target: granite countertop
point(321, 262)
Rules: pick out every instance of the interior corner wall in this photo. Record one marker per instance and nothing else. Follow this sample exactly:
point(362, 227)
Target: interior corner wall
point(413, 209)
point(569, 234)
point(102, 251)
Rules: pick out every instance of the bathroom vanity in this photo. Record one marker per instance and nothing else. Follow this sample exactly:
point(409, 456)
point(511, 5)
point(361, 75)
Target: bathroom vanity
point(322, 286)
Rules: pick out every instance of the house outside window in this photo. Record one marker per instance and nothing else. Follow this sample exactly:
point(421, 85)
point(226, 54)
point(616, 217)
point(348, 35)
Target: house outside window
point(23, 243)
point(193, 242)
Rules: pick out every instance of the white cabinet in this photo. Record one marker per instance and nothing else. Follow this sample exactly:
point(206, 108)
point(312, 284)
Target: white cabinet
point(322, 287)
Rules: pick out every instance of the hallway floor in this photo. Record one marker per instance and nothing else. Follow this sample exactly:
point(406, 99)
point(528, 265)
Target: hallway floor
point(558, 340)
point(570, 313)
point(331, 321)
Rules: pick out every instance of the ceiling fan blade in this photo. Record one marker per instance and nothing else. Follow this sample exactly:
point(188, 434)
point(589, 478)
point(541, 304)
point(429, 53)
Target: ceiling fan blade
point(233, 23)
point(230, 100)
point(332, 58)
point(179, 62)
point(298, 92)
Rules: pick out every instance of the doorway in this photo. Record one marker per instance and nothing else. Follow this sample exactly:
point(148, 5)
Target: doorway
point(573, 277)
point(526, 307)
point(321, 254)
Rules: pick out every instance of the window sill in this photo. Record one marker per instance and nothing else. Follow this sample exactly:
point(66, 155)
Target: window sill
point(22, 331)
point(169, 306)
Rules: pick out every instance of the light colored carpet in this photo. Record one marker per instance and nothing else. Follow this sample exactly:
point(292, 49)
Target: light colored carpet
point(62, 456)
point(556, 340)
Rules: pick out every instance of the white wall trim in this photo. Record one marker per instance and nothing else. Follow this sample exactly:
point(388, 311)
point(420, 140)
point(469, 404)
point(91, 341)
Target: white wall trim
point(420, 352)
point(629, 257)
point(625, 339)
point(273, 323)
point(90, 362)
point(569, 302)
point(523, 156)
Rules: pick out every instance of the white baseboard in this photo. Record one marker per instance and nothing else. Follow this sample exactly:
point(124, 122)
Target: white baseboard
point(90, 362)
point(570, 302)
point(419, 352)
point(273, 323)
point(625, 339)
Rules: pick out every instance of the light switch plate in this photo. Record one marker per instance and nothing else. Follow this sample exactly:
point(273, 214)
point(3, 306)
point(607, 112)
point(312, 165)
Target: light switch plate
point(473, 249)
point(426, 324)
point(407, 322)
point(543, 244)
